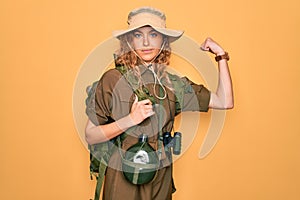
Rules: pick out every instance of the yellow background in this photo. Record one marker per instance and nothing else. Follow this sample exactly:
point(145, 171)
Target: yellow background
point(43, 44)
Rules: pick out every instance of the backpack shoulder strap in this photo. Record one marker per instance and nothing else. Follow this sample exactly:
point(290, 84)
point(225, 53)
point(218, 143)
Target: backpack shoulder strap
point(100, 178)
point(179, 88)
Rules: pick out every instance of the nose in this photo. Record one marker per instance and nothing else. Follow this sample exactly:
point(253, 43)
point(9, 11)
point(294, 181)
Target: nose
point(145, 40)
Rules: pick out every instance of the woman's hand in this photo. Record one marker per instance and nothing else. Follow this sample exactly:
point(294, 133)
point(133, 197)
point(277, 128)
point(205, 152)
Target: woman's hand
point(212, 46)
point(141, 110)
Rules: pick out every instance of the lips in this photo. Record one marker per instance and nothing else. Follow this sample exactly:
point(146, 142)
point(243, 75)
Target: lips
point(146, 51)
point(147, 54)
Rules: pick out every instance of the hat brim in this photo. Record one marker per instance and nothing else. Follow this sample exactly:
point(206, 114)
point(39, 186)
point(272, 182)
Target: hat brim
point(172, 34)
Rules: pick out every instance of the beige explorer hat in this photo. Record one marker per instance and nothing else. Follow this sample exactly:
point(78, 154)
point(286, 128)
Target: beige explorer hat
point(147, 16)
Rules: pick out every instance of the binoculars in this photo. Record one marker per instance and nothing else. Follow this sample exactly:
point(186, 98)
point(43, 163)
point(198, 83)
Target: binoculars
point(172, 142)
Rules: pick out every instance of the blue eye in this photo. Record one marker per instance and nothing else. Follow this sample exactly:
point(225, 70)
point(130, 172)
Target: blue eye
point(154, 34)
point(137, 35)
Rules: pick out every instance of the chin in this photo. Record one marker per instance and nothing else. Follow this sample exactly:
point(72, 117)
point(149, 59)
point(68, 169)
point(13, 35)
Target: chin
point(147, 58)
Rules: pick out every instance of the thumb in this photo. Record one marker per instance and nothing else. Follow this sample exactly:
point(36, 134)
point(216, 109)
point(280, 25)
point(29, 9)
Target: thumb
point(135, 102)
point(136, 99)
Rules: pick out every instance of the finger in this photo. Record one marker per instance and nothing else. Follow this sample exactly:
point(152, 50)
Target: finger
point(204, 47)
point(146, 101)
point(148, 106)
point(136, 98)
point(207, 47)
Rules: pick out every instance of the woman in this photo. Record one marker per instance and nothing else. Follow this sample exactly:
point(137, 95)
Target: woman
point(144, 54)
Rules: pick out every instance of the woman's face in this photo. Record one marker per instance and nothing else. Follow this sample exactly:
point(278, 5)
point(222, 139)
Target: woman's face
point(147, 42)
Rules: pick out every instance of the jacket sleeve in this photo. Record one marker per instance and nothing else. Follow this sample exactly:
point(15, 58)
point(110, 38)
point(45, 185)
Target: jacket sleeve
point(190, 96)
point(196, 97)
point(99, 100)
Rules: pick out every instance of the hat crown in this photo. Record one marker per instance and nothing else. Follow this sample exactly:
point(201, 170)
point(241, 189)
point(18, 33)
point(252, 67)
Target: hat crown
point(146, 16)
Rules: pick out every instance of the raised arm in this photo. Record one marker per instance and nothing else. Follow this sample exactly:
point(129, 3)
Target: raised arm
point(223, 97)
